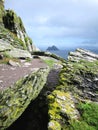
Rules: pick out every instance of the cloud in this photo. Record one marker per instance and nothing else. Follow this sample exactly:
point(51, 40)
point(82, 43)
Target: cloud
point(58, 19)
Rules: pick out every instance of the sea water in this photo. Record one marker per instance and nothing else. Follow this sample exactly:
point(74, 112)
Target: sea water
point(64, 53)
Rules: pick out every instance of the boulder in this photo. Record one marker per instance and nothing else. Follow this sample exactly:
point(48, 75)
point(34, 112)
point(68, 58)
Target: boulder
point(18, 53)
point(15, 99)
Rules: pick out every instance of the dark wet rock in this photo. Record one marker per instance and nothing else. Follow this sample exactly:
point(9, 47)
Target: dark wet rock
point(1, 56)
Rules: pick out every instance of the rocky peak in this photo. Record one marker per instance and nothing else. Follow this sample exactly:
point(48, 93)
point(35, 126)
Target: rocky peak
point(52, 48)
point(81, 54)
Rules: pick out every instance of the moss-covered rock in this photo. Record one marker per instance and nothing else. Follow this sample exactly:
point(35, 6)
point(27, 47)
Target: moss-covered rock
point(13, 31)
point(1, 10)
point(7, 50)
point(15, 99)
point(78, 83)
point(18, 53)
point(61, 108)
point(81, 79)
point(14, 23)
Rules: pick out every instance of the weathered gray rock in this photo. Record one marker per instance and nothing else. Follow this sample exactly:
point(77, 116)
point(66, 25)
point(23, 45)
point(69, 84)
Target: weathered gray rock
point(4, 46)
point(18, 53)
point(14, 23)
point(10, 51)
point(81, 54)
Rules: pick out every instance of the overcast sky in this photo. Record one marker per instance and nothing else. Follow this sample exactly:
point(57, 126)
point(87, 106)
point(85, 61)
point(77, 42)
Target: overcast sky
point(59, 22)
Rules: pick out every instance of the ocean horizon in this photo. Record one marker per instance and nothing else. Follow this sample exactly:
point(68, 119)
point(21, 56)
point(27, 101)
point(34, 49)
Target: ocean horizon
point(64, 53)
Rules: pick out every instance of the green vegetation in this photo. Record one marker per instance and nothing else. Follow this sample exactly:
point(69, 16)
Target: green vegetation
point(89, 113)
point(73, 74)
point(88, 119)
point(72, 77)
point(6, 60)
point(11, 38)
point(10, 19)
point(1, 11)
point(49, 62)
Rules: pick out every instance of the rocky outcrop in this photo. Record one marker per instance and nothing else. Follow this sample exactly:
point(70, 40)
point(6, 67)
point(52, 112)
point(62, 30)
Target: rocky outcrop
point(81, 54)
point(78, 85)
point(12, 30)
point(8, 50)
point(52, 48)
point(14, 23)
point(15, 99)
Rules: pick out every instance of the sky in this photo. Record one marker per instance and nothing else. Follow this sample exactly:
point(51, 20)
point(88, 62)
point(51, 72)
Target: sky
point(64, 23)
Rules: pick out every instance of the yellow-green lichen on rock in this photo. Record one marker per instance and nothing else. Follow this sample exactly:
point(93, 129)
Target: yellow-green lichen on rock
point(78, 85)
point(15, 99)
point(54, 125)
point(61, 107)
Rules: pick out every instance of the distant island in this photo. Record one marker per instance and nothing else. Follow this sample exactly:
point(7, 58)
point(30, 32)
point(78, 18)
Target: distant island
point(52, 48)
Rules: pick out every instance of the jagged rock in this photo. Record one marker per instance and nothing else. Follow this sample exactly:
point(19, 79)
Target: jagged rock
point(14, 23)
point(52, 48)
point(81, 54)
point(15, 32)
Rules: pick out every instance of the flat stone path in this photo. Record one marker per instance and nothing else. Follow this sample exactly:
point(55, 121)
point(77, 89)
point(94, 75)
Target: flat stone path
point(53, 78)
point(10, 74)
